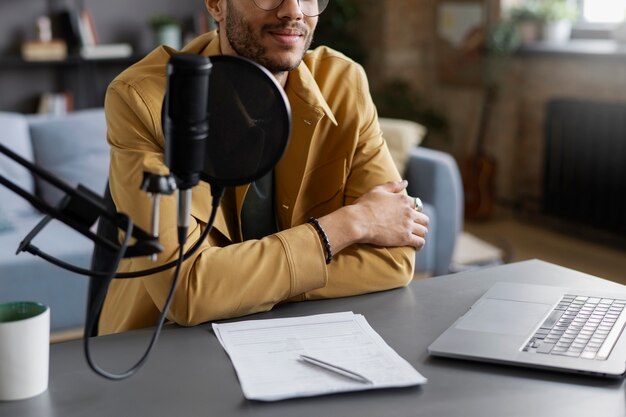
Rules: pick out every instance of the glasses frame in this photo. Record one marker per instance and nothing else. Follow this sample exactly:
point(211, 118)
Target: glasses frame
point(280, 2)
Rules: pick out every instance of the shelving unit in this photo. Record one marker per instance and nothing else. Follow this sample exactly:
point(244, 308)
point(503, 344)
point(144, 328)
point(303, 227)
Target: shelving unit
point(9, 62)
point(86, 80)
point(23, 82)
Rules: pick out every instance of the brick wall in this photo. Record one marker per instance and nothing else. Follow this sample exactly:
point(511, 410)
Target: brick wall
point(402, 43)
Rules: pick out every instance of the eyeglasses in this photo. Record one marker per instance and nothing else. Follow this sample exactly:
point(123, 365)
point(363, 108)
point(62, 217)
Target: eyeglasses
point(310, 8)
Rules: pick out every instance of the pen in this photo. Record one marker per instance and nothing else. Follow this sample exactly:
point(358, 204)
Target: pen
point(336, 369)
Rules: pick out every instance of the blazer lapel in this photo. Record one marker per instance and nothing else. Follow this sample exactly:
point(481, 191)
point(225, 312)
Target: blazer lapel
point(308, 107)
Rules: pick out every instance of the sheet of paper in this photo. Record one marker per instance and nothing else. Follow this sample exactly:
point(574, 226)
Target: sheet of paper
point(265, 354)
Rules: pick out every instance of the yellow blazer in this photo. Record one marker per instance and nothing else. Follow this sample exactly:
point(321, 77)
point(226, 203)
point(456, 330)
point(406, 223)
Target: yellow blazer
point(336, 153)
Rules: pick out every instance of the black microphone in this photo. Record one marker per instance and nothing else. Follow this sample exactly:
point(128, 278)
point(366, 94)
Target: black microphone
point(186, 126)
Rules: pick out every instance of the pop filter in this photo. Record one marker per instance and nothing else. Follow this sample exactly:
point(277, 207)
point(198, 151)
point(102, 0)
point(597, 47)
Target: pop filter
point(249, 122)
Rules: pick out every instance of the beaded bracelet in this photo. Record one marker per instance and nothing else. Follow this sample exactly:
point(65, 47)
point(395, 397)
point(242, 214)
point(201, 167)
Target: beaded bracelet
point(323, 237)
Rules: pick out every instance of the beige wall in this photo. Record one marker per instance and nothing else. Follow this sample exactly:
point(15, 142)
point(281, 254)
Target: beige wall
point(401, 35)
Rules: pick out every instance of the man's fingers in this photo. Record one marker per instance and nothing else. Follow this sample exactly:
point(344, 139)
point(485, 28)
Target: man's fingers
point(420, 230)
point(423, 219)
point(394, 186)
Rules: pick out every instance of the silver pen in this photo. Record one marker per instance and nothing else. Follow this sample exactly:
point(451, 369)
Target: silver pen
point(336, 369)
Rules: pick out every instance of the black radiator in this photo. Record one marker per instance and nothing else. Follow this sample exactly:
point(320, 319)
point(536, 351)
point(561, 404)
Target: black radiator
point(585, 164)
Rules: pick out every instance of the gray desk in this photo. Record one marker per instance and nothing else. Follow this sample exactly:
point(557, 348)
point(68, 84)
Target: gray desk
point(190, 375)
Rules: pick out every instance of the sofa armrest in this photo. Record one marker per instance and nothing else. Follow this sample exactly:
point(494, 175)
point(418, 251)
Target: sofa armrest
point(434, 177)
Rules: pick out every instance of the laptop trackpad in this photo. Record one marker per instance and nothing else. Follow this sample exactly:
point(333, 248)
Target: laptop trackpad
point(503, 317)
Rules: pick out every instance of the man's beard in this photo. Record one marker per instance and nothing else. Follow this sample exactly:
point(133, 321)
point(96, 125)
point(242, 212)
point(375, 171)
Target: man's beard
point(247, 44)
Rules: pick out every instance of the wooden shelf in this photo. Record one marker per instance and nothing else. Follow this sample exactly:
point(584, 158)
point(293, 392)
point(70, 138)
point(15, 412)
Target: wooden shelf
point(11, 61)
point(85, 79)
point(577, 47)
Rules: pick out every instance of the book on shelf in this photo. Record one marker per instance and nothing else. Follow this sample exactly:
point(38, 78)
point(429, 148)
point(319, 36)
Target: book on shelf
point(78, 28)
point(106, 51)
point(56, 104)
point(66, 25)
point(54, 50)
point(87, 26)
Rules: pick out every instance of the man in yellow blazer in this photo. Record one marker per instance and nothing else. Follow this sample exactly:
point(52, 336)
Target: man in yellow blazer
point(336, 169)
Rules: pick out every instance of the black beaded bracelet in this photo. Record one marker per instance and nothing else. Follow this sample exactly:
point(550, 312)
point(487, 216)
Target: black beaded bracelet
point(323, 237)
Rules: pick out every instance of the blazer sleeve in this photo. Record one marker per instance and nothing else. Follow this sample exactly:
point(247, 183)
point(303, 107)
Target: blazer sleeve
point(364, 268)
point(222, 279)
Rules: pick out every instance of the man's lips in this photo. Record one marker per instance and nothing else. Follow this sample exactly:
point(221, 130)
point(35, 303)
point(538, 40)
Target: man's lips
point(287, 36)
point(286, 32)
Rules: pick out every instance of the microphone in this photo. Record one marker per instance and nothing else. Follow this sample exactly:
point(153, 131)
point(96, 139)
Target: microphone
point(250, 121)
point(185, 119)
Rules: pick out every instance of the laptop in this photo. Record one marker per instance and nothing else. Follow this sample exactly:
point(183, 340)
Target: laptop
point(542, 327)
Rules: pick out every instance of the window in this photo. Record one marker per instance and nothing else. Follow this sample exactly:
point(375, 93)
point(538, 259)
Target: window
point(602, 11)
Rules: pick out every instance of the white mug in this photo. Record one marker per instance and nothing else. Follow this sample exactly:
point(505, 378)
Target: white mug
point(24, 349)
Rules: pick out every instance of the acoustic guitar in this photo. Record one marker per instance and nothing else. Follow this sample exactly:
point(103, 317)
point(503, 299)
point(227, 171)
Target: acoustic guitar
point(478, 171)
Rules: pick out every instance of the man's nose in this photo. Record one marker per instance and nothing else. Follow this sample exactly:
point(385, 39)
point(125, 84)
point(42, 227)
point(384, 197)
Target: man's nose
point(290, 9)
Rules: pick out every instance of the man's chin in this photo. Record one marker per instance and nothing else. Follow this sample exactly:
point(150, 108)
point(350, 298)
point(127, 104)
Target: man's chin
point(277, 65)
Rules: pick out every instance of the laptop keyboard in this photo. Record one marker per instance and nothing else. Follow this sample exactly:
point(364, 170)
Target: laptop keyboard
point(580, 327)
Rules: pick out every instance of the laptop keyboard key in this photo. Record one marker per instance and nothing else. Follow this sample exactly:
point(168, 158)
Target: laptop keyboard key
point(552, 319)
point(545, 347)
point(588, 355)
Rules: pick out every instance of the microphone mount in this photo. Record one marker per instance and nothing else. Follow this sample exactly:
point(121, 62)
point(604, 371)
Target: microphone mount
point(79, 209)
point(250, 121)
point(156, 185)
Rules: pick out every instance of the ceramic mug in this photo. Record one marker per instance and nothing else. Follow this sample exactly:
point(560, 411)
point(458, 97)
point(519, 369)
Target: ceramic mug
point(24, 349)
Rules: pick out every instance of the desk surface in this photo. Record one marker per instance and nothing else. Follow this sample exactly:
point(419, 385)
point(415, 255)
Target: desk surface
point(189, 374)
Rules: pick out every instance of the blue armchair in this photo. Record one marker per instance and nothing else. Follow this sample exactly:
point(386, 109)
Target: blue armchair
point(434, 177)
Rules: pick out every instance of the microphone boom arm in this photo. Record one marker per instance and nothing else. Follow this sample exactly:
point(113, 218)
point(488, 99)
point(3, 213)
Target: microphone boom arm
point(79, 209)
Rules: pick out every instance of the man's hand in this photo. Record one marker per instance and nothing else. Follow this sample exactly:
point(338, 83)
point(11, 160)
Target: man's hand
point(383, 216)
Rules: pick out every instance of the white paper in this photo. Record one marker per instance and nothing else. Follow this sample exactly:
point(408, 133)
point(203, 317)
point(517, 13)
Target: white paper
point(265, 354)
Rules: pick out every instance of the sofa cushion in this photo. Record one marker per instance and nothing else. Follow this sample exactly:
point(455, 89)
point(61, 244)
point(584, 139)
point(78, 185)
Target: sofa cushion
point(14, 135)
point(6, 222)
point(28, 277)
point(74, 149)
point(401, 136)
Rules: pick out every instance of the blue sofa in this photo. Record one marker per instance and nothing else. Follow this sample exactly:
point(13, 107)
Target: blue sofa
point(434, 177)
point(73, 147)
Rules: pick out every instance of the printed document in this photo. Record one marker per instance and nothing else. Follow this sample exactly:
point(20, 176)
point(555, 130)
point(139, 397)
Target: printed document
point(266, 356)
